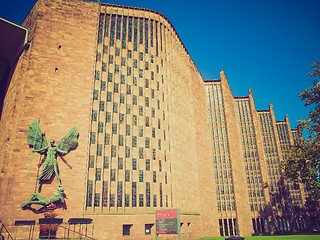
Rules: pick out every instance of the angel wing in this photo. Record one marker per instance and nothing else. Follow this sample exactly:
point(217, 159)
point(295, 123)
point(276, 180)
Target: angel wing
point(69, 141)
point(36, 138)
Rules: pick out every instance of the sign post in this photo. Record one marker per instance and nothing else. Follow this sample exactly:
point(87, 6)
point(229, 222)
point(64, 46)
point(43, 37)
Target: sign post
point(168, 222)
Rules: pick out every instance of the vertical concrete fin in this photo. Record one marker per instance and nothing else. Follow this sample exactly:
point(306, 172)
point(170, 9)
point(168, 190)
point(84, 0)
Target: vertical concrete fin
point(224, 82)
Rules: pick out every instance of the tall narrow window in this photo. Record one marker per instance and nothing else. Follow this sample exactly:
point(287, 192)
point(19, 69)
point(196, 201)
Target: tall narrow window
point(119, 194)
point(98, 174)
point(160, 191)
point(91, 161)
point(118, 26)
point(140, 200)
point(129, 71)
point(160, 36)
point(123, 61)
point(89, 193)
point(106, 32)
point(140, 131)
point(221, 227)
point(112, 175)
point(108, 117)
point(127, 152)
point(99, 150)
point(121, 118)
point(146, 35)
point(104, 67)
point(120, 163)
point(147, 164)
point(140, 175)
point(134, 141)
point(97, 199)
point(112, 30)
point(154, 176)
point(116, 87)
point(97, 76)
point(124, 32)
point(134, 194)
point(151, 32)
point(98, 57)
point(127, 175)
point(117, 51)
point(100, 32)
point(115, 107)
point(134, 164)
point(112, 200)
point(113, 151)
point(105, 49)
point(134, 120)
point(141, 30)
point(111, 59)
point(105, 194)
point(154, 200)
point(110, 76)
point(157, 50)
point(101, 106)
point(147, 194)
point(147, 142)
point(127, 200)
point(109, 96)
point(94, 115)
point(130, 30)
point(128, 89)
point(123, 79)
point(93, 138)
point(106, 162)
point(135, 35)
point(122, 97)
point(127, 130)
point(140, 153)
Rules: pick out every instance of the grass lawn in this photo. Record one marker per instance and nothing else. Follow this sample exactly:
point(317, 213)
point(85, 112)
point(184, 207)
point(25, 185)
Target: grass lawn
point(282, 237)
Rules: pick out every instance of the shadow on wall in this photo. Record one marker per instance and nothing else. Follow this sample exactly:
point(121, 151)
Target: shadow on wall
point(282, 215)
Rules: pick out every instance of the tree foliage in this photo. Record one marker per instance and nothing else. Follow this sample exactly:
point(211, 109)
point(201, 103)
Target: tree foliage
point(303, 162)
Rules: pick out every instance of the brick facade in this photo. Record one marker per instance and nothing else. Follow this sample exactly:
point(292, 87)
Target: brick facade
point(124, 78)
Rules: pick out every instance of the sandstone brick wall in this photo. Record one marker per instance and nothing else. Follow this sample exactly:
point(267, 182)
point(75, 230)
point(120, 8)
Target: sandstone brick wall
point(53, 81)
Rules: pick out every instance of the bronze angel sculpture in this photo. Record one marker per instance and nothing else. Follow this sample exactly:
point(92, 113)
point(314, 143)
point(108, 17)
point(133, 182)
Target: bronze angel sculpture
point(37, 140)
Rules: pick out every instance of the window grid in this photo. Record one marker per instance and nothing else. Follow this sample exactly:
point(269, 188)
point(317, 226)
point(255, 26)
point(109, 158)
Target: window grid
point(220, 149)
point(122, 71)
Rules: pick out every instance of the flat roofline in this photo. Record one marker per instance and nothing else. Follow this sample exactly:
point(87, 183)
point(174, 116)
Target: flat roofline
point(263, 110)
point(241, 97)
point(211, 80)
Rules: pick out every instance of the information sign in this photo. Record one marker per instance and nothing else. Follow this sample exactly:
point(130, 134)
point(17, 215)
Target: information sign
point(168, 222)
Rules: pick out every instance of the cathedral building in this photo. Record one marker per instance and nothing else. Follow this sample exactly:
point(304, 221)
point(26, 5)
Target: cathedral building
point(153, 134)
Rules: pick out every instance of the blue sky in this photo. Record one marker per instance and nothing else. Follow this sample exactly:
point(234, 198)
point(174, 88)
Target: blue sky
point(266, 45)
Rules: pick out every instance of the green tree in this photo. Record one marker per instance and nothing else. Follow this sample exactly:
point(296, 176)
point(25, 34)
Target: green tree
point(303, 162)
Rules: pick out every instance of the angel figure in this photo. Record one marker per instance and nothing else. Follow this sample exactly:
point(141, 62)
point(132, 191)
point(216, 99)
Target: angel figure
point(37, 140)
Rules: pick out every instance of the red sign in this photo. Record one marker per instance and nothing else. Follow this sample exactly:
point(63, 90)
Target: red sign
point(172, 213)
point(167, 222)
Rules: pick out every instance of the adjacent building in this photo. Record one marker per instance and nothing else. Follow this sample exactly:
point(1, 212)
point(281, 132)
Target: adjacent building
point(152, 133)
